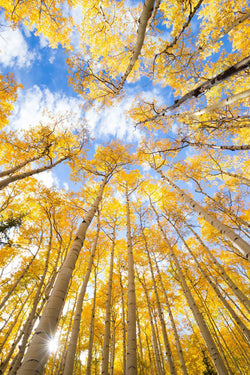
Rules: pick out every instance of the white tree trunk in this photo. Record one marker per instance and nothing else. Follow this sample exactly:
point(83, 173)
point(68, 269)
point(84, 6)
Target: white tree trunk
point(230, 100)
point(237, 241)
point(211, 346)
point(238, 293)
point(160, 312)
point(70, 356)
point(23, 175)
point(38, 351)
point(105, 352)
point(131, 368)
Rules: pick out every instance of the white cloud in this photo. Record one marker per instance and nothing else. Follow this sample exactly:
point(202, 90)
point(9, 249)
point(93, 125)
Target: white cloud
point(52, 58)
point(66, 186)
point(43, 41)
point(13, 47)
point(36, 104)
point(113, 122)
point(47, 178)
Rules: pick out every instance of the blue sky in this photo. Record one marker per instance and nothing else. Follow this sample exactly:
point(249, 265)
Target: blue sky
point(43, 73)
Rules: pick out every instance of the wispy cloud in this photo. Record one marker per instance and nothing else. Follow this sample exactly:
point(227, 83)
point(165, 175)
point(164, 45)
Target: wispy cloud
point(14, 49)
point(48, 179)
point(113, 122)
point(37, 104)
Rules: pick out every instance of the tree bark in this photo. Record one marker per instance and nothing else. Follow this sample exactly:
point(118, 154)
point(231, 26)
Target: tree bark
point(236, 318)
point(29, 323)
point(112, 351)
point(5, 299)
point(123, 327)
point(227, 232)
point(71, 350)
point(131, 368)
point(207, 85)
point(160, 312)
point(238, 293)
point(105, 352)
point(91, 332)
point(155, 345)
point(213, 351)
point(177, 340)
point(147, 10)
point(37, 353)
point(23, 175)
point(12, 170)
point(230, 100)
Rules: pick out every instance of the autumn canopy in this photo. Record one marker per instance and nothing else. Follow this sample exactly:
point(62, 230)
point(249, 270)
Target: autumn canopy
point(135, 258)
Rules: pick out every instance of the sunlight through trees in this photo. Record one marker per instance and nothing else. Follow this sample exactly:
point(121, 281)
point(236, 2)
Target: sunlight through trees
point(136, 259)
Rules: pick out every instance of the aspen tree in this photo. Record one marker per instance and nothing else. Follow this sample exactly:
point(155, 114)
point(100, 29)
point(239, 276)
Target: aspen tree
point(160, 312)
point(207, 85)
point(177, 340)
point(149, 355)
point(148, 7)
point(38, 353)
point(224, 102)
point(13, 287)
point(123, 325)
point(213, 351)
point(236, 240)
point(112, 351)
point(239, 322)
point(29, 324)
point(71, 349)
point(110, 159)
point(105, 352)
point(16, 314)
point(235, 289)
point(131, 361)
point(139, 340)
point(91, 330)
point(155, 344)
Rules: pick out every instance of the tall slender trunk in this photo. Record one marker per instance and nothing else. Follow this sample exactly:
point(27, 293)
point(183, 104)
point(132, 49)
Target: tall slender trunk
point(60, 366)
point(9, 171)
point(71, 350)
point(5, 299)
point(211, 346)
point(160, 312)
point(238, 321)
point(155, 345)
point(243, 352)
point(230, 100)
point(238, 293)
point(214, 329)
point(176, 336)
point(123, 327)
point(235, 218)
point(37, 353)
point(18, 314)
point(23, 175)
point(91, 332)
point(105, 352)
point(227, 232)
point(140, 342)
point(149, 356)
point(131, 368)
point(112, 351)
point(29, 324)
point(217, 147)
point(205, 86)
point(147, 10)
point(243, 179)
